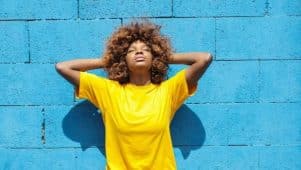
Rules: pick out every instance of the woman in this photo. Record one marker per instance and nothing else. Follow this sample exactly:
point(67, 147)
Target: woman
point(137, 104)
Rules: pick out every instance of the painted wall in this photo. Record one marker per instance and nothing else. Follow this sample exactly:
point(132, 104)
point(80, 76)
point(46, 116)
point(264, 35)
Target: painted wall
point(246, 113)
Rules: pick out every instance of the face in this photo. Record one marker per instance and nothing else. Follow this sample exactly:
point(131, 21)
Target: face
point(139, 57)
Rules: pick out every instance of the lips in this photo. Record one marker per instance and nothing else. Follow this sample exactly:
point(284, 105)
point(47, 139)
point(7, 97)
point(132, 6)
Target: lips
point(139, 57)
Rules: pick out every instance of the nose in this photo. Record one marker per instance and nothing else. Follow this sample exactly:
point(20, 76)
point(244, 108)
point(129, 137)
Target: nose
point(139, 52)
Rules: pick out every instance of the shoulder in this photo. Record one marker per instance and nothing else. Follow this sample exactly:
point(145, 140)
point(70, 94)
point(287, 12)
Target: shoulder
point(177, 76)
point(95, 78)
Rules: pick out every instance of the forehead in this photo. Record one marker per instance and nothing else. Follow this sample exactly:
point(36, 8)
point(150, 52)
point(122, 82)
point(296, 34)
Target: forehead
point(137, 43)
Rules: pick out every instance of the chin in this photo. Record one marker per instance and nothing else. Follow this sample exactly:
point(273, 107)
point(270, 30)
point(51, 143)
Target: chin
point(140, 67)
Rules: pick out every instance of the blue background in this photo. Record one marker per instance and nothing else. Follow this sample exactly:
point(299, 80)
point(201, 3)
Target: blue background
point(246, 113)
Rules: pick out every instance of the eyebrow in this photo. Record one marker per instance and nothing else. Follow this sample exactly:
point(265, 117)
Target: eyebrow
point(142, 46)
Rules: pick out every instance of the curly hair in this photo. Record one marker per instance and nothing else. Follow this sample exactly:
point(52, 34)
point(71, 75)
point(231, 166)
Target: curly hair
point(117, 46)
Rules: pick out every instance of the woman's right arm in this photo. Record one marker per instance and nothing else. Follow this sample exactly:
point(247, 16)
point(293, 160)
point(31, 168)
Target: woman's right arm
point(70, 69)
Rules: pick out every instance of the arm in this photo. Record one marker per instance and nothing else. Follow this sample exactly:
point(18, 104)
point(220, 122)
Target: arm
point(198, 61)
point(70, 69)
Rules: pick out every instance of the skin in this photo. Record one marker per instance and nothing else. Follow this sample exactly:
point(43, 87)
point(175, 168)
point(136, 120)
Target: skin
point(140, 73)
point(139, 69)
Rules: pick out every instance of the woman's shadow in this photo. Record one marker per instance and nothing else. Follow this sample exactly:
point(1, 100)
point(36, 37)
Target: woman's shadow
point(84, 124)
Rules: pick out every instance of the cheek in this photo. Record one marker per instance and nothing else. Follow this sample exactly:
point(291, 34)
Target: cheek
point(150, 55)
point(127, 58)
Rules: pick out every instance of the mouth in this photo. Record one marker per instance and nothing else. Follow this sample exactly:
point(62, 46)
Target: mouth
point(139, 57)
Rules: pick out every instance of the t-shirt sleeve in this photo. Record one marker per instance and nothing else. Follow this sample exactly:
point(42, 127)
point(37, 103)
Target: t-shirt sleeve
point(179, 90)
point(93, 88)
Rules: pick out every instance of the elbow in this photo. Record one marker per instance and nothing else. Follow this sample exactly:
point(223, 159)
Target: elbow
point(205, 57)
point(59, 67)
point(209, 58)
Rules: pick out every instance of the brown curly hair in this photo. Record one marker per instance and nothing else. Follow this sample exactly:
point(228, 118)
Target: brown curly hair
point(117, 46)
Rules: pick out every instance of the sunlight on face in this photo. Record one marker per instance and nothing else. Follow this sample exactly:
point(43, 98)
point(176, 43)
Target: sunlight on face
point(139, 57)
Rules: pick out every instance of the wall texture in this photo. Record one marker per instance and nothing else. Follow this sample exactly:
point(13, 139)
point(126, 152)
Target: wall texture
point(245, 115)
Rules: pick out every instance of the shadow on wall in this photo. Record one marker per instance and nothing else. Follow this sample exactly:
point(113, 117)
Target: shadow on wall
point(83, 124)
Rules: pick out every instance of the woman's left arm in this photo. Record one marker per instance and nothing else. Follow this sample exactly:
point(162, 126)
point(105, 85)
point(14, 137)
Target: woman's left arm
point(198, 61)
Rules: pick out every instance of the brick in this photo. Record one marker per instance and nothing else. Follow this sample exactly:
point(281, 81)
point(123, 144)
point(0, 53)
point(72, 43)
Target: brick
point(242, 124)
point(10, 33)
point(53, 41)
point(20, 126)
point(280, 81)
point(280, 157)
point(132, 8)
point(196, 8)
point(57, 158)
point(78, 126)
point(206, 124)
point(240, 157)
point(284, 7)
point(42, 9)
point(189, 34)
point(218, 157)
point(33, 84)
point(241, 38)
point(264, 124)
point(242, 85)
point(207, 158)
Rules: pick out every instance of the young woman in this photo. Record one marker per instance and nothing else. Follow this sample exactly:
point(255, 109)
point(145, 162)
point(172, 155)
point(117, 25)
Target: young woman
point(137, 103)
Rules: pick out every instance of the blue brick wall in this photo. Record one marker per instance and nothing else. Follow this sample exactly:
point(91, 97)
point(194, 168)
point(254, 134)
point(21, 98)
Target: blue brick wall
point(246, 113)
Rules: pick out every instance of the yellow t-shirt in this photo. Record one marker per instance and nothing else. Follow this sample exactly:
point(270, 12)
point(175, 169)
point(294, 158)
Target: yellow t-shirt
point(136, 119)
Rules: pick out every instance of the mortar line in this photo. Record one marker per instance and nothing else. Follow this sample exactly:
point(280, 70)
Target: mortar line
point(28, 42)
point(43, 137)
point(215, 57)
point(174, 146)
point(267, 5)
point(33, 105)
point(284, 59)
point(78, 9)
point(103, 18)
point(168, 17)
point(259, 81)
point(121, 21)
point(189, 103)
point(172, 8)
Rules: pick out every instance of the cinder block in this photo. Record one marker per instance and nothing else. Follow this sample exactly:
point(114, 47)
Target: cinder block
point(218, 8)
point(189, 34)
point(284, 7)
point(53, 41)
point(43, 9)
point(10, 33)
point(280, 81)
point(80, 125)
point(20, 126)
point(280, 157)
point(218, 157)
point(242, 157)
point(258, 38)
point(52, 158)
point(33, 84)
point(226, 81)
point(242, 124)
point(116, 9)
point(211, 157)
point(264, 124)
point(206, 124)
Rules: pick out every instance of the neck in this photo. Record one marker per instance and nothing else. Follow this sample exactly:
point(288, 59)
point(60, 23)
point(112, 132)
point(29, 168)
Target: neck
point(140, 79)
